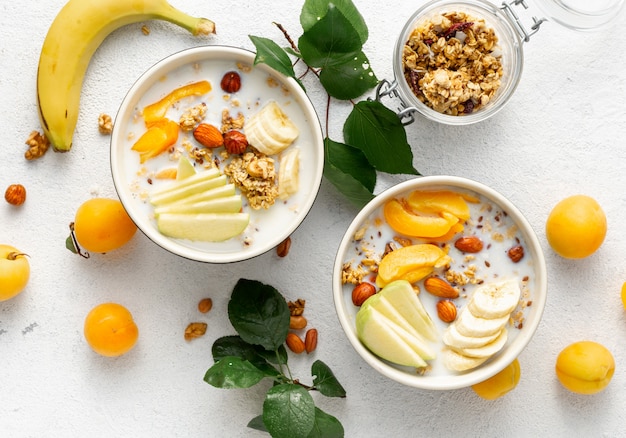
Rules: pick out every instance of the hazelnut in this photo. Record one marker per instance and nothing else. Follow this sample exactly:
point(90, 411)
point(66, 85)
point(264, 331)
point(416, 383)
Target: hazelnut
point(15, 194)
point(362, 292)
point(231, 82)
point(235, 142)
point(283, 247)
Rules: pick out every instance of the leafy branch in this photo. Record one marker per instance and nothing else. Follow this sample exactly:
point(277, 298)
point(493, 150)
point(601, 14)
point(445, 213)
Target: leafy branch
point(260, 315)
point(331, 46)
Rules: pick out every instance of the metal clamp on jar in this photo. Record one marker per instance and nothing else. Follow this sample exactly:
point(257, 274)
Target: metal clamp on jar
point(459, 62)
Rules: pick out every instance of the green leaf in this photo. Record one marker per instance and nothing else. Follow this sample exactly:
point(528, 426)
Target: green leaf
point(325, 381)
point(257, 424)
point(69, 244)
point(270, 53)
point(349, 171)
point(326, 426)
point(288, 411)
point(350, 79)
point(330, 41)
point(350, 160)
point(259, 313)
point(233, 372)
point(313, 10)
point(379, 133)
point(237, 347)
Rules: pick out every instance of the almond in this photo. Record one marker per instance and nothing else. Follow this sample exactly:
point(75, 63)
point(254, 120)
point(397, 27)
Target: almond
point(310, 340)
point(440, 288)
point(446, 310)
point(469, 244)
point(208, 136)
point(294, 343)
point(362, 292)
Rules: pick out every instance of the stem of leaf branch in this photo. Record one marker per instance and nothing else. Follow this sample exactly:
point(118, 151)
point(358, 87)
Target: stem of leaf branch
point(308, 69)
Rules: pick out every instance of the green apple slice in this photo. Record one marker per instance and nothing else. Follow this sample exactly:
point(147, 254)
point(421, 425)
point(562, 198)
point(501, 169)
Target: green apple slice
point(380, 336)
point(403, 298)
point(218, 192)
point(204, 227)
point(187, 190)
point(185, 168)
point(191, 180)
point(382, 304)
point(228, 204)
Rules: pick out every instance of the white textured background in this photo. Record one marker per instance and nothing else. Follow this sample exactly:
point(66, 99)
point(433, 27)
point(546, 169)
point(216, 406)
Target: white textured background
point(562, 133)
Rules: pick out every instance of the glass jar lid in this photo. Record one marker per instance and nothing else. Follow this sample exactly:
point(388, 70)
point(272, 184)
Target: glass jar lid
point(581, 14)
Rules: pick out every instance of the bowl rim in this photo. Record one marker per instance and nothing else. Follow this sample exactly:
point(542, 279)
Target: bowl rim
point(491, 367)
point(196, 54)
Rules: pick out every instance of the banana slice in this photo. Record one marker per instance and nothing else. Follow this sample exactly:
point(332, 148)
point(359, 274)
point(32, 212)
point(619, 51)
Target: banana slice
point(475, 327)
point(486, 350)
point(270, 130)
point(458, 362)
point(452, 338)
point(495, 300)
point(288, 173)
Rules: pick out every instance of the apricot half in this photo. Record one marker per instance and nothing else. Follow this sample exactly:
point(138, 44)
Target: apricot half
point(411, 263)
point(159, 136)
point(416, 225)
point(438, 202)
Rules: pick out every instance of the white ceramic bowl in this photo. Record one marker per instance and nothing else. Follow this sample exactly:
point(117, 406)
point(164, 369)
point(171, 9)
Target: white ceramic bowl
point(378, 234)
point(260, 83)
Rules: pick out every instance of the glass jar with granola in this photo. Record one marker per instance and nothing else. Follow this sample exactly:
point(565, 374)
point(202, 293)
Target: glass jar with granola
point(459, 62)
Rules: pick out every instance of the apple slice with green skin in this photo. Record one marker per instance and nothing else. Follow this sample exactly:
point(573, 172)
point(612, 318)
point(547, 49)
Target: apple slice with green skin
point(387, 340)
point(402, 297)
point(187, 190)
point(205, 227)
point(382, 304)
point(190, 180)
point(228, 204)
point(218, 192)
point(185, 168)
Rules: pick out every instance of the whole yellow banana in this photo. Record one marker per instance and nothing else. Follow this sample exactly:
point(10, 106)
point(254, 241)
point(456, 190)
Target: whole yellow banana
point(75, 34)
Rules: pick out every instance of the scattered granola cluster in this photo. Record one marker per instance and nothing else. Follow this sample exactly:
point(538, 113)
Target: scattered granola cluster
point(452, 63)
point(37, 144)
point(192, 116)
point(105, 124)
point(255, 174)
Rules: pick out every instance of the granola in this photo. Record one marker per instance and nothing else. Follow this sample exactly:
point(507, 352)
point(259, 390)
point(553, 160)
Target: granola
point(452, 63)
point(192, 116)
point(254, 173)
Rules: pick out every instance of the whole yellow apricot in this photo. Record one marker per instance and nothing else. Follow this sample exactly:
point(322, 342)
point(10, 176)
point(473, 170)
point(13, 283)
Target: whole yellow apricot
point(102, 225)
point(110, 329)
point(624, 295)
point(585, 367)
point(499, 384)
point(576, 227)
